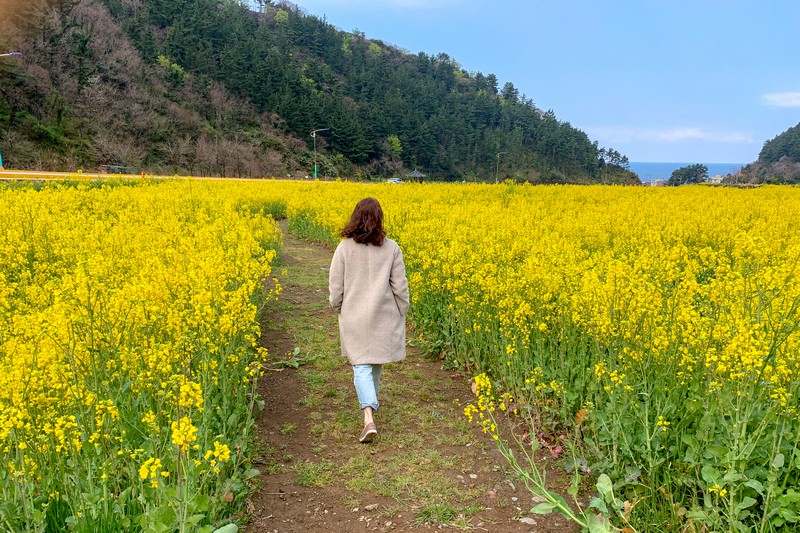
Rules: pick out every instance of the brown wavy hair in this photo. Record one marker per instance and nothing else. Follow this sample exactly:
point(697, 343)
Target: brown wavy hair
point(366, 223)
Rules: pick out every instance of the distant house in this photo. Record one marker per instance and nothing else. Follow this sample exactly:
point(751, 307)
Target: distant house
point(655, 183)
point(716, 180)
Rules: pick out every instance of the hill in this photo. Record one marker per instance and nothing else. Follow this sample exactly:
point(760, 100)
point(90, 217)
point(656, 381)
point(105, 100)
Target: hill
point(212, 87)
point(778, 161)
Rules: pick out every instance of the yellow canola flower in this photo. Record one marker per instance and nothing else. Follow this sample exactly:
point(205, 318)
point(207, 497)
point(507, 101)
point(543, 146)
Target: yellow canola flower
point(191, 395)
point(184, 432)
point(152, 470)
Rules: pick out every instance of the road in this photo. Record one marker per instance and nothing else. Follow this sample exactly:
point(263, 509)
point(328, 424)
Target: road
point(46, 175)
point(41, 175)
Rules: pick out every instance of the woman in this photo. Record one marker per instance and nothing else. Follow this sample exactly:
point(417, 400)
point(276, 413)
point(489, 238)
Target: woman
point(369, 290)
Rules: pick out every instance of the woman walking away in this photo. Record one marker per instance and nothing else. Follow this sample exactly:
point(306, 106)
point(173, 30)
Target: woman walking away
point(369, 290)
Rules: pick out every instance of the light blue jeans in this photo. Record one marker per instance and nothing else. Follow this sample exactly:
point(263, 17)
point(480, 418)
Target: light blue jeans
point(367, 379)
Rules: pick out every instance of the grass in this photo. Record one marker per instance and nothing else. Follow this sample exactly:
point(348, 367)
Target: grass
point(413, 474)
point(287, 428)
point(271, 464)
point(311, 402)
point(314, 474)
point(436, 514)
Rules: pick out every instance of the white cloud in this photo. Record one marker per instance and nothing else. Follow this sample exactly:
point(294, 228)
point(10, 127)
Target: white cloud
point(789, 99)
point(626, 134)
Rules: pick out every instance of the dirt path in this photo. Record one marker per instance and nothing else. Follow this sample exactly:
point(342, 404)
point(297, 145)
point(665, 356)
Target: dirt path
point(428, 469)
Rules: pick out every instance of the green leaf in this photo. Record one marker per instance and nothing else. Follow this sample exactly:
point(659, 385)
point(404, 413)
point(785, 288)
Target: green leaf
point(206, 529)
point(596, 526)
point(195, 519)
point(544, 508)
point(716, 452)
point(697, 514)
point(599, 504)
point(158, 527)
point(562, 507)
point(251, 473)
point(710, 475)
point(199, 503)
point(790, 497)
point(230, 528)
point(788, 515)
point(573, 489)
point(690, 441)
point(124, 495)
point(166, 516)
point(778, 461)
point(746, 502)
point(604, 485)
point(732, 477)
point(756, 486)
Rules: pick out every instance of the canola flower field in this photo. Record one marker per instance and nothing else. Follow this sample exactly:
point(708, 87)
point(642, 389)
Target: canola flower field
point(652, 331)
point(650, 335)
point(127, 359)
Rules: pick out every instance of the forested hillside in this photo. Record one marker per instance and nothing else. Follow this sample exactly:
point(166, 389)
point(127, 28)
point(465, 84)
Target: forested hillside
point(214, 87)
point(778, 161)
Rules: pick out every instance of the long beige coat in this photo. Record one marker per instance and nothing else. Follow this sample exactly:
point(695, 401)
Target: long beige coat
point(369, 290)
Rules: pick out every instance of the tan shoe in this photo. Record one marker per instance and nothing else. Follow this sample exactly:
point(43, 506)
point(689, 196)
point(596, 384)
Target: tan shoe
point(369, 433)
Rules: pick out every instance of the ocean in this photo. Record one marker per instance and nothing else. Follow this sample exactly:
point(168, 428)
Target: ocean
point(662, 171)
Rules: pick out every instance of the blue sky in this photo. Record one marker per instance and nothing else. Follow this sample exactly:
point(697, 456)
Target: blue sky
point(659, 80)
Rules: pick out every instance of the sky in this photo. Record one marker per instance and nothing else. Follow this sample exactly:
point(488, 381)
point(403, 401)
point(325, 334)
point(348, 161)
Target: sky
point(691, 81)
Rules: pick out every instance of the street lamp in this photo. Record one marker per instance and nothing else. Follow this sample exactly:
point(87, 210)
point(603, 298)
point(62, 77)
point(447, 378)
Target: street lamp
point(497, 164)
point(314, 136)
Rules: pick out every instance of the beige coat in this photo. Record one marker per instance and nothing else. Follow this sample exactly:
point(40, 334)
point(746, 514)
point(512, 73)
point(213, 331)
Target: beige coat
point(369, 290)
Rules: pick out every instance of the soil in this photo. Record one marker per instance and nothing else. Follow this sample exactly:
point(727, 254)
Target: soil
point(428, 468)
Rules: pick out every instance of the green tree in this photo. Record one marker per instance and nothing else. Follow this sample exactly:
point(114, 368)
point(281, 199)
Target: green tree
point(395, 146)
point(696, 173)
point(787, 144)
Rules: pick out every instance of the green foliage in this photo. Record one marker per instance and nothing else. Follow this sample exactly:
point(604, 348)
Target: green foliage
point(617, 175)
point(696, 173)
point(299, 67)
point(278, 67)
point(787, 144)
point(778, 162)
point(395, 146)
point(281, 17)
point(172, 71)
